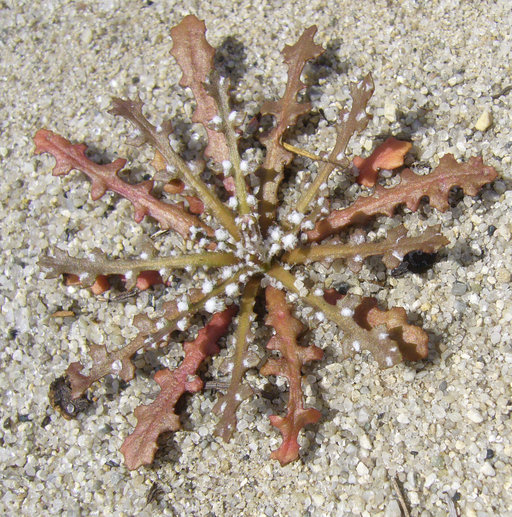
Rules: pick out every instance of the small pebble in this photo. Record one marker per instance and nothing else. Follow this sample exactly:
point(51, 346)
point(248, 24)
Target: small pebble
point(318, 499)
point(475, 416)
point(86, 36)
point(429, 480)
point(362, 469)
point(403, 418)
point(364, 442)
point(390, 110)
point(413, 498)
point(484, 121)
point(459, 288)
point(487, 470)
point(393, 509)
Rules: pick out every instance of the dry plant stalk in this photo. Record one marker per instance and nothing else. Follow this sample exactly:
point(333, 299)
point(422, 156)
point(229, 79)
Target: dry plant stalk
point(241, 246)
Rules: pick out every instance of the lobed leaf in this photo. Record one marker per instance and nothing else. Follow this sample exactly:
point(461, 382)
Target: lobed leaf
point(393, 248)
point(105, 177)
point(196, 58)
point(158, 417)
point(97, 264)
point(289, 364)
point(470, 176)
point(351, 122)
point(286, 112)
point(117, 362)
point(388, 155)
point(412, 340)
point(152, 332)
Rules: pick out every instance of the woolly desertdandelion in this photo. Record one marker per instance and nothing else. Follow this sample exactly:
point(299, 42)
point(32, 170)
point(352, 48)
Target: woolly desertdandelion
point(246, 247)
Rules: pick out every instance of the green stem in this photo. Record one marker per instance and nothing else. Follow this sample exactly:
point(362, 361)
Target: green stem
point(159, 139)
point(193, 308)
point(330, 311)
point(211, 259)
point(214, 205)
point(222, 100)
point(228, 403)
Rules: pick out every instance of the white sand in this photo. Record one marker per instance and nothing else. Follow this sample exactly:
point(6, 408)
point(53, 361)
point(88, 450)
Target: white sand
point(441, 427)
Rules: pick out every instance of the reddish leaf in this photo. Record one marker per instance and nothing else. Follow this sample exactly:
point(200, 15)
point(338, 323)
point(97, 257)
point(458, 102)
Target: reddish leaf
point(175, 186)
point(288, 365)
point(152, 420)
point(105, 177)
point(388, 155)
point(470, 176)
point(100, 285)
point(147, 279)
point(195, 56)
point(195, 205)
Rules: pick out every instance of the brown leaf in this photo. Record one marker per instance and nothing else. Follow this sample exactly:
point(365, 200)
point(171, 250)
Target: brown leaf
point(175, 186)
point(195, 56)
point(351, 121)
point(153, 419)
point(397, 244)
point(158, 138)
point(104, 363)
point(470, 176)
point(393, 248)
point(95, 270)
point(286, 111)
point(288, 365)
point(412, 340)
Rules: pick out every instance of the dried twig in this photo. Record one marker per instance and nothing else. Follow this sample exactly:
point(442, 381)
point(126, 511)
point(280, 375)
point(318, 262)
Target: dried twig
point(400, 496)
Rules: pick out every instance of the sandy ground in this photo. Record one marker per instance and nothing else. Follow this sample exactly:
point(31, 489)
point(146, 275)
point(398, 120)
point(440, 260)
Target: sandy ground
point(441, 429)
